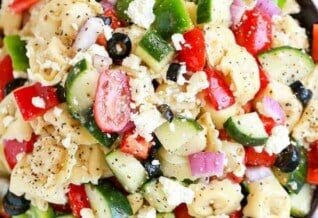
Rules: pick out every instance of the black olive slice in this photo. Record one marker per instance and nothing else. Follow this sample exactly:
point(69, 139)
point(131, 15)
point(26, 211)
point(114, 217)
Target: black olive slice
point(304, 95)
point(15, 205)
point(166, 112)
point(289, 159)
point(14, 84)
point(119, 47)
point(153, 168)
point(60, 91)
point(173, 72)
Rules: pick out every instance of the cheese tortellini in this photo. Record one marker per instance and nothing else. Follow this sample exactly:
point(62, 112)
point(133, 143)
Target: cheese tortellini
point(50, 33)
point(268, 199)
point(287, 100)
point(306, 130)
point(235, 155)
point(216, 198)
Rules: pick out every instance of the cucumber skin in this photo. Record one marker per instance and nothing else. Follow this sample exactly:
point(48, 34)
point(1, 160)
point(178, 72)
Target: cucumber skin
point(204, 13)
point(299, 175)
point(108, 158)
point(78, 68)
point(241, 138)
point(299, 51)
point(118, 203)
point(17, 51)
point(160, 50)
point(91, 126)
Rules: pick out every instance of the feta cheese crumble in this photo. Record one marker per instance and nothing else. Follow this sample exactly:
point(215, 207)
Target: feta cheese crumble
point(108, 32)
point(177, 41)
point(141, 12)
point(147, 120)
point(38, 102)
point(155, 162)
point(87, 213)
point(175, 192)
point(147, 212)
point(278, 141)
point(57, 111)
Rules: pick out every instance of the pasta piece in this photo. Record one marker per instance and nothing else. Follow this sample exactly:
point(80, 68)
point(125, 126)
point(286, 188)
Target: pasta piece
point(287, 100)
point(235, 155)
point(50, 33)
point(214, 144)
point(287, 32)
point(219, 39)
point(136, 201)
point(10, 22)
point(306, 130)
point(66, 126)
point(219, 117)
point(7, 108)
point(310, 82)
point(45, 173)
point(90, 165)
point(267, 198)
point(174, 166)
point(242, 69)
point(216, 198)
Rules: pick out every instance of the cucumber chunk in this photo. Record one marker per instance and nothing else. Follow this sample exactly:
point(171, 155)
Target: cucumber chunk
point(65, 216)
point(165, 215)
point(37, 213)
point(127, 169)
point(106, 201)
point(153, 193)
point(213, 10)
point(286, 64)
point(171, 17)
point(121, 8)
point(17, 51)
point(106, 139)
point(175, 134)
point(295, 180)
point(80, 89)
point(301, 202)
point(154, 51)
point(246, 129)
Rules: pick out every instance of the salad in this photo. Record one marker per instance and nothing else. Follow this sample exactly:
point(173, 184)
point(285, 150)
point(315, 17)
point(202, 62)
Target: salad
point(158, 109)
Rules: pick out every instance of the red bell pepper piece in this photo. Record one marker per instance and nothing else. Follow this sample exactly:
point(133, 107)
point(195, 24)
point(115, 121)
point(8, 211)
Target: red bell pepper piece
point(193, 51)
point(312, 159)
point(135, 145)
point(218, 94)
point(181, 211)
point(24, 97)
point(223, 135)
point(6, 74)
point(254, 32)
point(253, 158)
point(248, 107)
point(78, 199)
point(314, 49)
point(12, 148)
point(62, 208)
point(236, 214)
point(110, 12)
point(268, 123)
point(264, 81)
point(18, 6)
point(234, 178)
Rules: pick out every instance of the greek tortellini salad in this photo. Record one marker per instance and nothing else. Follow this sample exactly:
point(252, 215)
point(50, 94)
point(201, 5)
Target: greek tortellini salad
point(158, 109)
